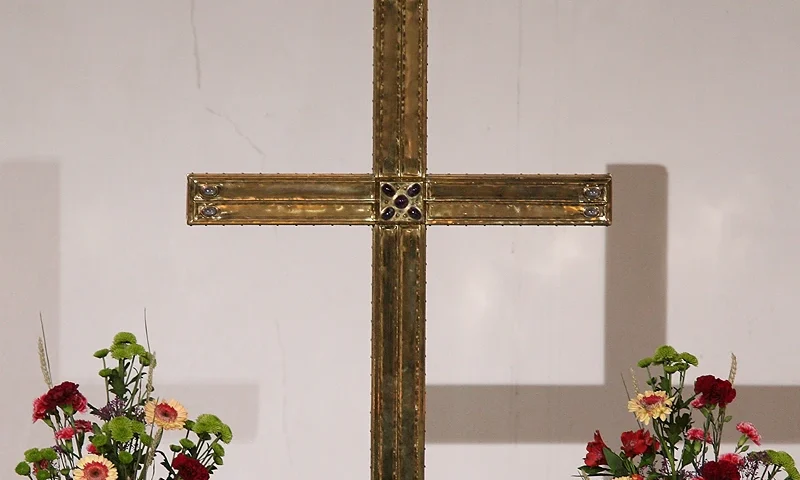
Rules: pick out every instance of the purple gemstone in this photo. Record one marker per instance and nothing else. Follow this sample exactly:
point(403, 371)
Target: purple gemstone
point(388, 213)
point(414, 190)
point(401, 201)
point(387, 190)
point(414, 213)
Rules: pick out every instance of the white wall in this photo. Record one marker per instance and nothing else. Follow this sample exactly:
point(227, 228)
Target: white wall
point(104, 107)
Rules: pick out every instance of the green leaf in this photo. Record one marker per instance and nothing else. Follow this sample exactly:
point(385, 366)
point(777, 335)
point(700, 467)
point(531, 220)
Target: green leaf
point(648, 458)
point(688, 453)
point(615, 463)
point(592, 471)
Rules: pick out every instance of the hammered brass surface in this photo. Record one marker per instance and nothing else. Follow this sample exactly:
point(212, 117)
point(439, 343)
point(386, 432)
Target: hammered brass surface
point(400, 87)
point(398, 270)
point(256, 199)
point(518, 200)
point(398, 352)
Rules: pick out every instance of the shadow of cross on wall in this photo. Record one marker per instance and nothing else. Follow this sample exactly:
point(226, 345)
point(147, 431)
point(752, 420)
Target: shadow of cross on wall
point(636, 324)
point(30, 261)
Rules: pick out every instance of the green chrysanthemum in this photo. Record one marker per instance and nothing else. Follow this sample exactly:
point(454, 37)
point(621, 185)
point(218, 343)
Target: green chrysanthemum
point(23, 469)
point(124, 337)
point(218, 449)
point(122, 352)
point(645, 362)
point(121, 429)
point(137, 427)
point(125, 457)
point(99, 440)
point(49, 454)
point(101, 353)
point(33, 455)
point(207, 423)
point(146, 440)
point(665, 353)
point(689, 358)
point(186, 443)
point(226, 435)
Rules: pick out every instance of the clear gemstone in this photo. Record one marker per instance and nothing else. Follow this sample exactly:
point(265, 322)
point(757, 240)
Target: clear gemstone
point(592, 212)
point(209, 211)
point(209, 190)
point(593, 192)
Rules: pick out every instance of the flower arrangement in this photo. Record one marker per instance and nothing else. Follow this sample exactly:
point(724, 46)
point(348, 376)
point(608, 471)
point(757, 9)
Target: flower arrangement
point(680, 432)
point(121, 439)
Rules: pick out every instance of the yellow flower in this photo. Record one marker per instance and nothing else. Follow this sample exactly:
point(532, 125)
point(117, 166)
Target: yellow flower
point(650, 405)
point(94, 467)
point(169, 415)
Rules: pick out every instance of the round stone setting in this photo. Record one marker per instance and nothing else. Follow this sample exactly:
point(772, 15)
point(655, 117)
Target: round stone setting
point(593, 193)
point(387, 190)
point(209, 211)
point(414, 213)
point(401, 201)
point(387, 213)
point(414, 190)
point(591, 212)
point(209, 190)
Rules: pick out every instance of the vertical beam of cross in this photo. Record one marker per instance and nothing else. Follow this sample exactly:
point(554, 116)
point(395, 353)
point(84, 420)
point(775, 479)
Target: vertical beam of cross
point(398, 200)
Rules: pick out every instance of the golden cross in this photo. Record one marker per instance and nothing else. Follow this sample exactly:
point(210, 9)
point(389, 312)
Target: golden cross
point(399, 199)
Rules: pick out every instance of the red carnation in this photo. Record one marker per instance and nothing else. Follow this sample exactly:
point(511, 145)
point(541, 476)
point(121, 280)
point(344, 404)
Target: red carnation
point(40, 408)
point(189, 468)
point(62, 395)
point(713, 391)
point(720, 471)
point(637, 443)
point(83, 426)
point(595, 456)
